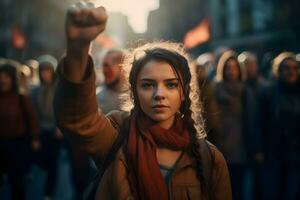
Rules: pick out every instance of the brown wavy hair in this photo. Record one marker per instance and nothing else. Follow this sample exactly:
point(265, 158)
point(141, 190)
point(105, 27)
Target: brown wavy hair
point(175, 55)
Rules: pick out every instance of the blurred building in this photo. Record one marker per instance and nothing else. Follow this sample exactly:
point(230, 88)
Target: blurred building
point(174, 18)
point(32, 27)
point(256, 24)
point(259, 25)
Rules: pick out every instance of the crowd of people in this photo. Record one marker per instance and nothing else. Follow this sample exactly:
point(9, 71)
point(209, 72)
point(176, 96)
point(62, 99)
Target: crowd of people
point(251, 115)
point(29, 135)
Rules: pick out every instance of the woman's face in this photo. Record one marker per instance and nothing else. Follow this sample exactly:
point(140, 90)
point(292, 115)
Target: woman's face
point(111, 67)
point(231, 72)
point(159, 92)
point(47, 75)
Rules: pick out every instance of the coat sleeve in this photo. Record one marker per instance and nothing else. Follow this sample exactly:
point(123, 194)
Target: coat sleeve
point(78, 117)
point(221, 186)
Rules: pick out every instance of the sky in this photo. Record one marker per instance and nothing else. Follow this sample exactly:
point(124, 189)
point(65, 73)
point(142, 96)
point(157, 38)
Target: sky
point(137, 11)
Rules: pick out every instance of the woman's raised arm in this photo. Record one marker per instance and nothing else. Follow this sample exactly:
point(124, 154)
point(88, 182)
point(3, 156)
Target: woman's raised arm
point(75, 106)
point(83, 24)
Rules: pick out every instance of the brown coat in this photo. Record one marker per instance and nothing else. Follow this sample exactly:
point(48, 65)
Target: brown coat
point(77, 115)
point(17, 117)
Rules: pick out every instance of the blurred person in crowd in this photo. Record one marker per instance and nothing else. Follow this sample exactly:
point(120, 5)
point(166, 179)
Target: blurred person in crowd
point(280, 128)
point(108, 95)
point(255, 86)
point(19, 131)
point(210, 108)
point(42, 96)
point(213, 59)
point(160, 148)
point(230, 95)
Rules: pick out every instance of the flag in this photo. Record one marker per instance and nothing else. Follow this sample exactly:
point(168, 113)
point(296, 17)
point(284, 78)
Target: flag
point(198, 34)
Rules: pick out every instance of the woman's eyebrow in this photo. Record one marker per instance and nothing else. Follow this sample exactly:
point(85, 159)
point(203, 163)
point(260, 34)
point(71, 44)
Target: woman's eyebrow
point(152, 80)
point(171, 79)
point(147, 79)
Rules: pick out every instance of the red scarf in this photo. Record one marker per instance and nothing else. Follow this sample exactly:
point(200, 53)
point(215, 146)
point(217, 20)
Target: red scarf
point(144, 137)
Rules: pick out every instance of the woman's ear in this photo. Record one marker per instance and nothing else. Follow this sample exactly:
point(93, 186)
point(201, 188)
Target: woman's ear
point(182, 97)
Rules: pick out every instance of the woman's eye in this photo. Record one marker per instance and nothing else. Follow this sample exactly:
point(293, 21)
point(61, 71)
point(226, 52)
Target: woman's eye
point(172, 85)
point(146, 85)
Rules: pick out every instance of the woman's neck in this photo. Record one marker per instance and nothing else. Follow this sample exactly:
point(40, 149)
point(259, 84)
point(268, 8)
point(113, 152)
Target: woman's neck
point(167, 124)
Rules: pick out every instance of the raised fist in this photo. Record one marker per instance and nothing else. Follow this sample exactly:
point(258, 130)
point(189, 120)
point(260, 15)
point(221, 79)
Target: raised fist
point(84, 23)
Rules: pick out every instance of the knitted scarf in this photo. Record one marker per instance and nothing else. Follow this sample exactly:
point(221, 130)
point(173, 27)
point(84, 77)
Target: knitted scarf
point(144, 137)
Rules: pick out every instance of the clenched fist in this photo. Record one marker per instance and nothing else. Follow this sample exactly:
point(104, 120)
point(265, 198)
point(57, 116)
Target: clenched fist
point(84, 23)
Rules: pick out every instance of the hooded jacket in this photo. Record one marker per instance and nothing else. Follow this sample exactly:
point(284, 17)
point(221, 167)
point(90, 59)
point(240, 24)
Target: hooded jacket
point(230, 97)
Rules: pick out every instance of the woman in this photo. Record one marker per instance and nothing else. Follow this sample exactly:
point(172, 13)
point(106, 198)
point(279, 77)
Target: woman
point(18, 130)
point(159, 158)
point(231, 97)
point(279, 141)
point(42, 97)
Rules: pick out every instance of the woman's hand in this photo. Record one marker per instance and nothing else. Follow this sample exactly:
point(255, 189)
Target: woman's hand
point(83, 24)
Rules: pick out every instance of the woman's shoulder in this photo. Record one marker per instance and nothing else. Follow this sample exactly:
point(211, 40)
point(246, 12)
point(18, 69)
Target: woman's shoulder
point(117, 117)
point(219, 163)
point(215, 153)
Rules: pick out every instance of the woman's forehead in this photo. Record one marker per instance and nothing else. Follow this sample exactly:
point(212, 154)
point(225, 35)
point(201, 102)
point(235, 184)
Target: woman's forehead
point(157, 70)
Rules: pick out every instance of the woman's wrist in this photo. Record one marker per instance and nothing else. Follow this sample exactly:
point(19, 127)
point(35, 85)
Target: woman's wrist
point(76, 61)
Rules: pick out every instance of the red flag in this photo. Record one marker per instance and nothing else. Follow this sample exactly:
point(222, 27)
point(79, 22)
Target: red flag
point(197, 35)
point(18, 38)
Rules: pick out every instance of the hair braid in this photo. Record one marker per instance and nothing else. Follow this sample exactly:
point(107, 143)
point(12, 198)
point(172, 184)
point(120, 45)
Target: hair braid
point(193, 149)
point(175, 55)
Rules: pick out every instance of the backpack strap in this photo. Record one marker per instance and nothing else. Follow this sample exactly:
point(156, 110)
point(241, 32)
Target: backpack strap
point(208, 160)
point(90, 192)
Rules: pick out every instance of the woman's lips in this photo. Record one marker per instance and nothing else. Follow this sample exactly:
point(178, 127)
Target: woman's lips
point(159, 108)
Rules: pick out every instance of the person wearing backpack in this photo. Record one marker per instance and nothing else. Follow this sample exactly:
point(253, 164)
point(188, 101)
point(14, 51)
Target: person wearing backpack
point(163, 154)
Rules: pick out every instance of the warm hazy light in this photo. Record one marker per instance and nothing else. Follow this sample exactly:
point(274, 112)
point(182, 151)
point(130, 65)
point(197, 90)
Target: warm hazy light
point(137, 11)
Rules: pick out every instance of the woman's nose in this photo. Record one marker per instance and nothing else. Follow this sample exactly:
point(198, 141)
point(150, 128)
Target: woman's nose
point(159, 94)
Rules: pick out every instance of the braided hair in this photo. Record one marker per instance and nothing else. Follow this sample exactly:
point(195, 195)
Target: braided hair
point(175, 56)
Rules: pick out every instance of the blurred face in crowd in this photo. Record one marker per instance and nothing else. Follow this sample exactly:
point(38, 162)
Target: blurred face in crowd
point(231, 70)
point(289, 71)
point(159, 92)
point(111, 67)
point(5, 82)
point(251, 69)
point(46, 74)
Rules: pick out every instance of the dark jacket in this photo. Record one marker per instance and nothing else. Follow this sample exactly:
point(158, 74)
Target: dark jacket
point(279, 123)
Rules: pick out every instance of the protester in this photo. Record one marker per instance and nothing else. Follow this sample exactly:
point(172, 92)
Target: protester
point(18, 130)
point(42, 96)
point(279, 126)
point(108, 96)
point(255, 86)
point(231, 95)
point(161, 156)
point(210, 107)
